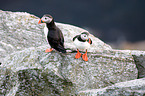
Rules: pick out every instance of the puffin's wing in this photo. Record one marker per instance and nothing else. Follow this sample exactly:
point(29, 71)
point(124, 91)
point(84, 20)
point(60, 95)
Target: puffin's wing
point(59, 32)
point(62, 41)
point(60, 48)
point(57, 44)
point(75, 37)
point(89, 41)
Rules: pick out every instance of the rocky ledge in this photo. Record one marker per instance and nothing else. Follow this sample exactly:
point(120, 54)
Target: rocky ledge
point(26, 70)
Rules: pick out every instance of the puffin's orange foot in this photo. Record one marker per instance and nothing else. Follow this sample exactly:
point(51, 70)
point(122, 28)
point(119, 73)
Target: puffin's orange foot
point(48, 50)
point(78, 55)
point(84, 56)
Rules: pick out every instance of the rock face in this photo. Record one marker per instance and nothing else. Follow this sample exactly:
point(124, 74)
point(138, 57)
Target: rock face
point(129, 88)
point(101, 70)
point(20, 30)
point(26, 70)
point(139, 58)
point(16, 33)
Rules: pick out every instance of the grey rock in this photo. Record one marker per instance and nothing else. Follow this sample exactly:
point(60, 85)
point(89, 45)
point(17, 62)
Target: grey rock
point(139, 58)
point(8, 80)
point(34, 67)
point(129, 88)
point(26, 70)
point(19, 30)
point(140, 64)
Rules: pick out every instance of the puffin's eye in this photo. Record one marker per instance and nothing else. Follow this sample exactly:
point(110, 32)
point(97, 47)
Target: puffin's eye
point(45, 18)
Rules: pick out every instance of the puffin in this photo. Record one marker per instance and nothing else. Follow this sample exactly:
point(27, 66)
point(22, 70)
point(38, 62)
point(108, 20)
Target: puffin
point(53, 34)
point(82, 42)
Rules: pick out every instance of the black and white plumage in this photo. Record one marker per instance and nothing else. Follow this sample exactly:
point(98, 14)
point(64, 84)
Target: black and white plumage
point(53, 34)
point(82, 42)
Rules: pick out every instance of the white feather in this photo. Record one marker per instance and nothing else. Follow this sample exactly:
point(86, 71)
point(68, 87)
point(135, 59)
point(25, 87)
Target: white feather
point(46, 32)
point(81, 45)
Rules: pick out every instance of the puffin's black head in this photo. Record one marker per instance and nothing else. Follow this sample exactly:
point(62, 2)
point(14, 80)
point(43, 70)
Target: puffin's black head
point(45, 19)
point(84, 36)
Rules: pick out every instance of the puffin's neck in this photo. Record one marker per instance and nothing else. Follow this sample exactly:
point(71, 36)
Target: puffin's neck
point(51, 25)
point(80, 39)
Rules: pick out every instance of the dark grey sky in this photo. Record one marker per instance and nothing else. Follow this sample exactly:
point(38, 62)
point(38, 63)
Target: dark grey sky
point(110, 20)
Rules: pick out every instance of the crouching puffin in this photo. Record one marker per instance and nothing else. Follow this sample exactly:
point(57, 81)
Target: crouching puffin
point(82, 42)
point(53, 34)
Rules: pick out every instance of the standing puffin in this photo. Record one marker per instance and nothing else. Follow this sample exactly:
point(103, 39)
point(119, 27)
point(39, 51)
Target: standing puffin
point(82, 42)
point(53, 34)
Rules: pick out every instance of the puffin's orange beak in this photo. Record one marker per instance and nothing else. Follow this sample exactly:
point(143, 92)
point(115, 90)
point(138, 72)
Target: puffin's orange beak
point(88, 40)
point(40, 21)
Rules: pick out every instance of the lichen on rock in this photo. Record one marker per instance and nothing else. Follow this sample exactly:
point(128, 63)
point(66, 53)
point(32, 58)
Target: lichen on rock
point(26, 69)
point(102, 69)
point(128, 88)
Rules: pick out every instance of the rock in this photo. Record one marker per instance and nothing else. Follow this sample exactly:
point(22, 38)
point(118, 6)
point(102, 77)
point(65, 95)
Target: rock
point(139, 58)
point(8, 80)
point(129, 88)
point(19, 30)
point(65, 75)
point(140, 64)
point(26, 70)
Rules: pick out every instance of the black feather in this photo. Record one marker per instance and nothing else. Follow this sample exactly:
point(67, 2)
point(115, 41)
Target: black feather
point(55, 37)
point(75, 37)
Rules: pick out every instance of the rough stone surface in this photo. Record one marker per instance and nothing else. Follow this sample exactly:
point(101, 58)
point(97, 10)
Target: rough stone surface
point(19, 30)
point(66, 75)
point(129, 88)
point(26, 70)
point(140, 64)
point(139, 58)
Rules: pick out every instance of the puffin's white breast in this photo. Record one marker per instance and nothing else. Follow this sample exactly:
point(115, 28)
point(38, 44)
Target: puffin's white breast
point(81, 45)
point(46, 32)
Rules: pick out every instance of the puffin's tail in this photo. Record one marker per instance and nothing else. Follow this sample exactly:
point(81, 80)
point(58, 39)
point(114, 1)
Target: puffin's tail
point(61, 49)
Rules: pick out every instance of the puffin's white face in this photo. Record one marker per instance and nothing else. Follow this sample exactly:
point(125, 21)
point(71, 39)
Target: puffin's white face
point(46, 19)
point(84, 37)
